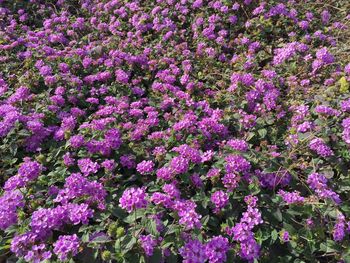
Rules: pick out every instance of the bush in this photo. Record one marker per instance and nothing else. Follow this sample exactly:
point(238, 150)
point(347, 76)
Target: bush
point(174, 131)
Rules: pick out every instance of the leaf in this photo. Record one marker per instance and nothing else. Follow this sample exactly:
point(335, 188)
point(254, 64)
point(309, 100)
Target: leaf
point(328, 246)
point(119, 212)
point(205, 220)
point(344, 85)
point(128, 243)
point(172, 258)
point(278, 215)
point(132, 217)
point(101, 239)
point(274, 235)
point(262, 133)
point(156, 257)
point(152, 227)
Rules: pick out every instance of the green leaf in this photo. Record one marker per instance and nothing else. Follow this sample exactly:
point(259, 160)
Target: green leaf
point(262, 133)
point(278, 215)
point(128, 243)
point(329, 246)
point(152, 227)
point(156, 257)
point(274, 235)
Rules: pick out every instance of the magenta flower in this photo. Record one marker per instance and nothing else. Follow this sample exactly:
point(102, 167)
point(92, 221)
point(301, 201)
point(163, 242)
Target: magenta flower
point(133, 198)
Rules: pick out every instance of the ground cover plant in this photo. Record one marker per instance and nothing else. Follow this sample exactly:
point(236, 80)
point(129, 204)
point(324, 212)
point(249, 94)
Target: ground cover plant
point(174, 131)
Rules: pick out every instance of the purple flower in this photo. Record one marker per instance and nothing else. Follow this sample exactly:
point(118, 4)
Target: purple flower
point(87, 166)
point(122, 76)
point(193, 252)
point(339, 228)
point(319, 146)
point(109, 165)
point(9, 202)
point(77, 186)
point(272, 180)
point(324, 56)
point(148, 243)
point(318, 183)
point(29, 170)
point(76, 141)
point(133, 198)
point(187, 213)
point(285, 236)
point(326, 110)
point(216, 249)
point(325, 16)
point(79, 213)
point(230, 181)
point(165, 173)
point(291, 197)
point(127, 161)
point(220, 199)
point(236, 164)
point(113, 138)
point(66, 247)
point(238, 145)
point(179, 165)
point(304, 25)
point(145, 167)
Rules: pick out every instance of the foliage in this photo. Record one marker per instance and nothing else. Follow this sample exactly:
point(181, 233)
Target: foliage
point(174, 131)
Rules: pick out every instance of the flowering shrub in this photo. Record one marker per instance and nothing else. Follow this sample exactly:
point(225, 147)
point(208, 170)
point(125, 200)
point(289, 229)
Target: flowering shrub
point(174, 131)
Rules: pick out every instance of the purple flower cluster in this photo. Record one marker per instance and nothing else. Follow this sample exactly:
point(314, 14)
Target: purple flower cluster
point(291, 197)
point(236, 164)
point(216, 249)
point(172, 107)
point(24, 246)
point(230, 181)
point(43, 220)
point(339, 228)
point(319, 146)
point(133, 198)
point(28, 171)
point(238, 145)
point(318, 183)
point(272, 180)
point(193, 252)
point(66, 247)
point(9, 202)
point(87, 166)
point(145, 167)
point(187, 213)
point(288, 51)
point(346, 130)
point(77, 186)
point(220, 199)
point(242, 231)
point(179, 165)
point(148, 243)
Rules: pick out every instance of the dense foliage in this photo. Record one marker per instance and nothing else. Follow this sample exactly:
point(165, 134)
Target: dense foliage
point(174, 131)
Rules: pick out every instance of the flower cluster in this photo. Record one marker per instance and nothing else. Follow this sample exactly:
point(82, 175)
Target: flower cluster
point(220, 199)
point(9, 202)
point(66, 246)
point(318, 183)
point(321, 148)
point(242, 231)
point(133, 198)
point(170, 131)
point(148, 243)
point(291, 197)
